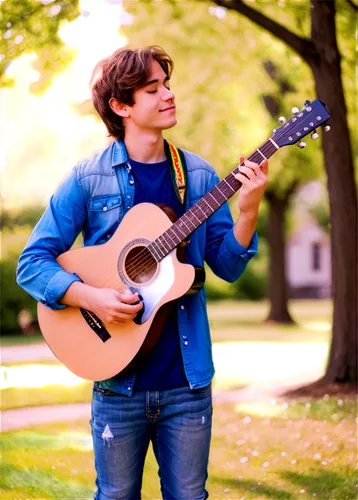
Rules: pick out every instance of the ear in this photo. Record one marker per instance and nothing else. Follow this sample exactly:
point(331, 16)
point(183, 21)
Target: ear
point(119, 108)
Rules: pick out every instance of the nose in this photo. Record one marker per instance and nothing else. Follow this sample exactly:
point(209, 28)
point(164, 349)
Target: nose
point(168, 95)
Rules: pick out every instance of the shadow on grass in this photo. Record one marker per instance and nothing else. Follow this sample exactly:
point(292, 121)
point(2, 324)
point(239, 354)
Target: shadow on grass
point(39, 482)
point(262, 489)
point(327, 485)
point(322, 484)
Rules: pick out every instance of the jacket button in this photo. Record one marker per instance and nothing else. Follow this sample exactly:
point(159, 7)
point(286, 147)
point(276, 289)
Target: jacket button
point(182, 308)
point(131, 181)
point(105, 209)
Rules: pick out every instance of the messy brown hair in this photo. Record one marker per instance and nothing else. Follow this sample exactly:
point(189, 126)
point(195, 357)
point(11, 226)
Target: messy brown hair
point(118, 76)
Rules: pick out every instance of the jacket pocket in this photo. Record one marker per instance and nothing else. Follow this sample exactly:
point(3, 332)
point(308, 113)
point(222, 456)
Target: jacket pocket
point(104, 213)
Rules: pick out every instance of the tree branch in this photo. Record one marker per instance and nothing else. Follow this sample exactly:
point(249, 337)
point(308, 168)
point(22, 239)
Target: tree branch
point(353, 5)
point(303, 46)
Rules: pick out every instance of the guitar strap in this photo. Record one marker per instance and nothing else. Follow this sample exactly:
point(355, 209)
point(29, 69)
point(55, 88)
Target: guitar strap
point(178, 170)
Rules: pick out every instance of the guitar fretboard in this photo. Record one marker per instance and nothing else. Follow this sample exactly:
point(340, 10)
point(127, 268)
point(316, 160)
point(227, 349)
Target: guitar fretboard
point(205, 207)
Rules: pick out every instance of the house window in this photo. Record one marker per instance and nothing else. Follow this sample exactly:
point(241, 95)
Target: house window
point(316, 256)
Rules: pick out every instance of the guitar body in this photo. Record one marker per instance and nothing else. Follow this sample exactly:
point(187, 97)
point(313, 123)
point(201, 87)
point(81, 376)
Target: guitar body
point(96, 351)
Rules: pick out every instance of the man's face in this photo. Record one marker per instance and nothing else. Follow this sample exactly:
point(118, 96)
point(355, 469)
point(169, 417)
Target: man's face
point(154, 106)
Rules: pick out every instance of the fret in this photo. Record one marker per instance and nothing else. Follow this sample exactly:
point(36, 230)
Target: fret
point(274, 143)
point(153, 245)
point(211, 208)
point(171, 239)
point(232, 189)
point(177, 226)
point(261, 153)
point(216, 201)
point(188, 219)
point(192, 212)
point(216, 188)
point(165, 242)
point(160, 250)
point(197, 205)
point(170, 229)
point(185, 224)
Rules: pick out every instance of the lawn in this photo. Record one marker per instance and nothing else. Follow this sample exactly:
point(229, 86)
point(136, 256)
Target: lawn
point(262, 449)
point(277, 451)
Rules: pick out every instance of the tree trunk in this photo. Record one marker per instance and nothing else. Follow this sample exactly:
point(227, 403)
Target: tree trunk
point(277, 287)
point(342, 365)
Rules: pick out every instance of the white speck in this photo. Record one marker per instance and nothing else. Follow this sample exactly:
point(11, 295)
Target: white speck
point(283, 453)
point(255, 453)
point(340, 402)
point(7, 34)
point(247, 420)
point(73, 471)
point(219, 12)
point(293, 462)
point(259, 483)
point(326, 397)
point(203, 419)
point(302, 491)
point(324, 438)
point(240, 442)
point(266, 464)
point(2, 57)
point(298, 435)
point(329, 445)
point(317, 456)
point(243, 460)
point(273, 401)
point(55, 9)
point(314, 494)
point(19, 39)
point(227, 490)
point(8, 25)
point(284, 405)
point(324, 462)
point(308, 405)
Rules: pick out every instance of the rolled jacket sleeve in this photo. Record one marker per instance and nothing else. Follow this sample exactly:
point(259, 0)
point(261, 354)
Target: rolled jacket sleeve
point(226, 257)
point(38, 272)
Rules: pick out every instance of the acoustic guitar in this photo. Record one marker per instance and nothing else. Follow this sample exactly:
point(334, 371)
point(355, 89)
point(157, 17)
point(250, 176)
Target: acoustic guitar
point(142, 256)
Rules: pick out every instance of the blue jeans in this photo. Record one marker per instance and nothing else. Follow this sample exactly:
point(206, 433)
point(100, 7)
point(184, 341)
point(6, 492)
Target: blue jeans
point(177, 421)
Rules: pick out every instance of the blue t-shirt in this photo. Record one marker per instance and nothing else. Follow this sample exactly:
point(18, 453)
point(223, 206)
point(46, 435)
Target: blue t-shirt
point(163, 368)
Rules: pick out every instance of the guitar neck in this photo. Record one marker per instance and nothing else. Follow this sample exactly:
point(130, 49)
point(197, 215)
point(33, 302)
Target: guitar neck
point(205, 207)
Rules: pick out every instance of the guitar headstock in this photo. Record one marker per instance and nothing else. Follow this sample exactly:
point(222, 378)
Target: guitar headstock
point(312, 115)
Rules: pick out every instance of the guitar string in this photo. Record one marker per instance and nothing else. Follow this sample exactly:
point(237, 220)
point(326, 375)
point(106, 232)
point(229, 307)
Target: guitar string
point(135, 261)
point(142, 259)
point(140, 262)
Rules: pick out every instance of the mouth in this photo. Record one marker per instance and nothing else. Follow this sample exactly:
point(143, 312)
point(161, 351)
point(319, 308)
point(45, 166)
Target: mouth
point(171, 108)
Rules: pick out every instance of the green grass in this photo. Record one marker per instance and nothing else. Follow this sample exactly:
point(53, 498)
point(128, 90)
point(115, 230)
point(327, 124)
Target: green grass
point(14, 340)
point(253, 456)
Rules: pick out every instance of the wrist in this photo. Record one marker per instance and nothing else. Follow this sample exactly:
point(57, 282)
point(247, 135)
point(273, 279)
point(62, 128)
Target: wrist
point(249, 216)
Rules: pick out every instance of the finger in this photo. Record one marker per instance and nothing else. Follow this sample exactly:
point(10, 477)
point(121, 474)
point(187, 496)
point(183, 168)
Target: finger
point(249, 173)
point(241, 159)
point(129, 299)
point(264, 167)
point(244, 180)
point(122, 308)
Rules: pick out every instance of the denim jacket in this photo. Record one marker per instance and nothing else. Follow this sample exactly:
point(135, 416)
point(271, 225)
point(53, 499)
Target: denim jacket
point(93, 199)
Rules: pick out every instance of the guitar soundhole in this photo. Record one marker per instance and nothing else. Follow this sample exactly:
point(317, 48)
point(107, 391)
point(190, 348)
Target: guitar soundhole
point(140, 265)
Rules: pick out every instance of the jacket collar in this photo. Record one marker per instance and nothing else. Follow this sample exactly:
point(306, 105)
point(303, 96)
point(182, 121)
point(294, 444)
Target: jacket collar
point(119, 153)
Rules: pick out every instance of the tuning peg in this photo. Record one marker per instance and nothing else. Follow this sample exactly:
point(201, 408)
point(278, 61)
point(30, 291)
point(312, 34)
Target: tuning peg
point(295, 110)
point(274, 130)
point(314, 135)
point(282, 119)
point(307, 103)
point(326, 128)
point(301, 144)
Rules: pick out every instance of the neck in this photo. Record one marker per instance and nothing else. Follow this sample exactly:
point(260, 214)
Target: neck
point(145, 147)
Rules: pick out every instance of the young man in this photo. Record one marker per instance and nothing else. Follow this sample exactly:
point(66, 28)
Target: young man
point(168, 399)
